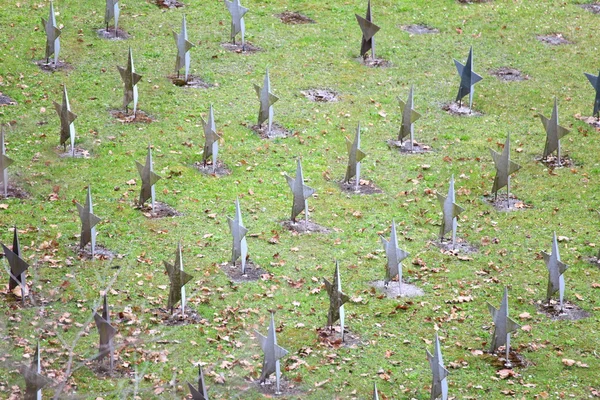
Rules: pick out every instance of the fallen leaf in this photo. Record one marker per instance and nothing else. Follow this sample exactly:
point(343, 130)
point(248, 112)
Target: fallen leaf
point(568, 362)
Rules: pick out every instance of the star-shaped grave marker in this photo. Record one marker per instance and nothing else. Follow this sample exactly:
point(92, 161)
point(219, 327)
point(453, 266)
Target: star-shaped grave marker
point(183, 50)
point(4, 162)
point(450, 212)
point(554, 132)
point(272, 353)
point(88, 223)
point(595, 82)
point(34, 380)
point(439, 385)
point(239, 247)
point(300, 191)
point(52, 36)
point(200, 393)
point(369, 29)
point(17, 265)
point(178, 279)
point(355, 156)
point(237, 20)
point(337, 299)
point(149, 178)
point(67, 127)
point(112, 12)
point(375, 394)
point(266, 99)
point(505, 167)
point(394, 256)
point(503, 326)
point(556, 269)
point(211, 139)
point(130, 81)
point(106, 332)
point(409, 116)
point(468, 79)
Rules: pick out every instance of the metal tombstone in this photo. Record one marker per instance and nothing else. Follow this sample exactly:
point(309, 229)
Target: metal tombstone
point(112, 12)
point(468, 79)
point(67, 128)
point(88, 223)
point(337, 299)
point(34, 380)
point(554, 132)
point(375, 394)
point(556, 269)
point(266, 99)
point(450, 211)
point(505, 167)
point(4, 162)
point(503, 326)
point(369, 29)
point(394, 256)
point(107, 332)
point(300, 191)
point(595, 82)
point(211, 139)
point(439, 385)
point(52, 36)
point(200, 393)
point(178, 279)
point(17, 265)
point(409, 116)
point(272, 353)
point(183, 50)
point(355, 156)
point(239, 248)
point(130, 81)
point(149, 178)
point(237, 20)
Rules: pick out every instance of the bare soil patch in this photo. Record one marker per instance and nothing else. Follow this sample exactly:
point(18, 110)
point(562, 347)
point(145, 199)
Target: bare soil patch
point(220, 170)
point(302, 226)
point(160, 210)
point(552, 161)
point(286, 388)
point(102, 369)
point(508, 74)
point(277, 131)
point(6, 101)
point(592, 121)
point(570, 311)
point(460, 110)
point(193, 82)
point(13, 192)
point(168, 3)
point(460, 247)
point(553, 39)
point(515, 359)
point(51, 67)
point(417, 29)
point(331, 337)
point(393, 290)
point(592, 7)
point(294, 18)
point(502, 203)
point(100, 253)
point(77, 153)
point(237, 47)
point(364, 187)
point(130, 118)
point(234, 272)
point(191, 317)
point(112, 34)
point(374, 62)
point(403, 148)
point(321, 95)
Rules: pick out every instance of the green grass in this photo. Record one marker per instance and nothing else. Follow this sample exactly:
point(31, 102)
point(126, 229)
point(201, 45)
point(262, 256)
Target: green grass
point(321, 55)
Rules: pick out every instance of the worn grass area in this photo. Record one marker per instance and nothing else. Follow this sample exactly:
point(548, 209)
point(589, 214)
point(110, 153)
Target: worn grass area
point(395, 333)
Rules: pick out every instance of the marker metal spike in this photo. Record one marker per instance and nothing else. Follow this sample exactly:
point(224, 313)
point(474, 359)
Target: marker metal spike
point(17, 265)
point(439, 384)
point(409, 116)
point(503, 326)
point(67, 128)
point(237, 19)
point(556, 269)
point(238, 231)
point(34, 380)
point(554, 132)
point(211, 139)
point(266, 99)
point(130, 81)
point(369, 29)
point(183, 50)
point(200, 393)
point(450, 211)
point(52, 36)
point(272, 354)
point(505, 167)
point(149, 178)
point(595, 82)
point(355, 156)
point(468, 79)
point(394, 256)
point(88, 223)
point(5, 162)
point(300, 191)
point(112, 11)
point(178, 279)
point(337, 299)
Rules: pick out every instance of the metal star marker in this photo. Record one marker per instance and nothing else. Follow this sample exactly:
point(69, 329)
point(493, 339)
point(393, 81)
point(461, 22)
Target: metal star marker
point(4, 162)
point(34, 380)
point(52, 36)
point(300, 191)
point(88, 223)
point(239, 248)
point(149, 178)
point(375, 394)
point(17, 265)
point(107, 332)
point(468, 79)
point(211, 139)
point(273, 352)
point(355, 156)
point(266, 99)
point(369, 29)
point(67, 128)
point(237, 20)
point(409, 116)
point(595, 81)
point(337, 298)
point(130, 81)
point(505, 167)
point(183, 50)
point(178, 280)
point(556, 269)
point(503, 326)
point(112, 11)
point(394, 256)
point(109, 346)
point(450, 211)
point(554, 132)
point(439, 385)
point(200, 393)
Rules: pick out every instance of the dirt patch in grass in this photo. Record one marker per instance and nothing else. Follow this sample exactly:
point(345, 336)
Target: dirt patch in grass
point(570, 311)
point(501, 203)
point(508, 74)
point(168, 3)
point(6, 101)
point(473, 1)
point(374, 62)
point(112, 34)
point(331, 337)
point(193, 82)
point(417, 29)
point(515, 359)
point(167, 318)
point(460, 110)
point(553, 39)
point(364, 187)
point(269, 387)
point(100, 253)
point(321, 95)
point(460, 247)
point(294, 18)
point(51, 67)
point(220, 170)
point(277, 131)
point(591, 7)
point(160, 210)
point(102, 369)
point(592, 121)
point(14, 301)
point(402, 147)
point(77, 153)
point(237, 48)
point(302, 226)
point(12, 192)
point(234, 272)
point(130, 118)
point(552, 161)
point(393, 289)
